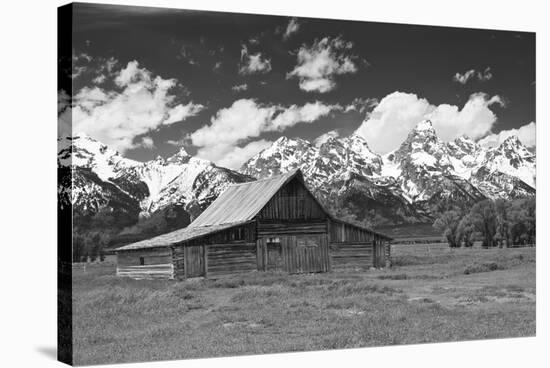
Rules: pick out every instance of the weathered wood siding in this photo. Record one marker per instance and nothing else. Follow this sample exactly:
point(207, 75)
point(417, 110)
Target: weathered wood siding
point(292, 202)
point(228, 259)
point(350, 254)
point(294, 257)
point(388, 253)
point(223, 253)
point(351, 246)
point(266, 229)
point(345, 233)
point(157, 263)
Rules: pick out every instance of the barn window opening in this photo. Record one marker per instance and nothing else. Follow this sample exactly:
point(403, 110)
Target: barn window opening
point(237, 234)
point(274, 245)
point(141, 261)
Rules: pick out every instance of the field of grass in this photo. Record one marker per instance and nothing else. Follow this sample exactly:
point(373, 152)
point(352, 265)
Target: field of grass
point(448, 295)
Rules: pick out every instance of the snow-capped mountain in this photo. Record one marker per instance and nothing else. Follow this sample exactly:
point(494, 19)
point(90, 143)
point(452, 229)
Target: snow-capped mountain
point(102, 177)
point(399, 187)
point(406, 183)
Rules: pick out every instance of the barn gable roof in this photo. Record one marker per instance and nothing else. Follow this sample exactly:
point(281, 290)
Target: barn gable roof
point(237, 205)
point(242, 202)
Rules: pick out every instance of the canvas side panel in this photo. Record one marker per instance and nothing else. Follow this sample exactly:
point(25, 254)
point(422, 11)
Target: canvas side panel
point(64, 207)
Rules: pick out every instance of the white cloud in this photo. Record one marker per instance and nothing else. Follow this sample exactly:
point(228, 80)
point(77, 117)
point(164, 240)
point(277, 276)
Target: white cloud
point(78, 71)
point(465, 77)
point(324, 137)
point(64, 119)
point(99, 79)
point(246, 119)
point(240, 87)
point(292, 27)
point(86, 64)
point(485, 75)
point(319, 64)
point(294, 114)
point(182, 112)
point(133, 73)
point(141, 104)
point(526, 134)
point(147, 142)
point(392, 119)
point(235, 157)
point(482, 76)
point(253, 63)
point(176, 143)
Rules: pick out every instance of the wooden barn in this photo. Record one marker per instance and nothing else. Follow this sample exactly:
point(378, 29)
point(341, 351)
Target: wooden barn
point(269, 224)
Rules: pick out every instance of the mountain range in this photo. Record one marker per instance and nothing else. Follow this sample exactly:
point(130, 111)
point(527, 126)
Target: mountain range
point(402, 186)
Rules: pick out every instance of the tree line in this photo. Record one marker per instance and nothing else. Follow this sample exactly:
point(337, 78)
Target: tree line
point(108, 228)
point(500, 222)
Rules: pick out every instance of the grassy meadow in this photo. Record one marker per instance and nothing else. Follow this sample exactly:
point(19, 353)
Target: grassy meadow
point(429, 295)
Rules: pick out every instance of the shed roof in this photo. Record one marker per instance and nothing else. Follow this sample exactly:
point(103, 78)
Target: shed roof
point(237, 205)
point(178, 236)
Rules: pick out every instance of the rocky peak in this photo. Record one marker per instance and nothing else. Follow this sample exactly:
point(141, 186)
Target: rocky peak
point(511, 148)
point(180, 157)
point(423, 141)
point(463, 146)
point(424, 126)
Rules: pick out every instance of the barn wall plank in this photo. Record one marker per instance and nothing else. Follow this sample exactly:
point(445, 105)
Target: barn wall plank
point(225, 259)
point(292, 201)
point(157, 264)
point(351, 255)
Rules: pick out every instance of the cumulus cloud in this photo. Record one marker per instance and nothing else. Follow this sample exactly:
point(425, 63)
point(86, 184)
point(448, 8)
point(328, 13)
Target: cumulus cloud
point(253, 63)
point(392, 119)
point(64, 119)
point(182, 112)
point(147, 142)
point(324, 137)
point(319, 64)
point(526, 134)
point(294, 114)
point(246, 119)
point(292, 27)
point(140, 104)
point(482, 76)
point(240, 87)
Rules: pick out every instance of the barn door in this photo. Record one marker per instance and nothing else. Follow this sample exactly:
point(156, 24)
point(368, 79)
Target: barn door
point(307, 253)
point(379, 254)
point(194, 261)
point(274, 254)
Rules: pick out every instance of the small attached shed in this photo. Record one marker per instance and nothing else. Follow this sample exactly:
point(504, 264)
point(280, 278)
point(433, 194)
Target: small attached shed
point(269, 224)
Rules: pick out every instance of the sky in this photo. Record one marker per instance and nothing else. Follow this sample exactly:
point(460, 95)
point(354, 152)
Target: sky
point(149, 81)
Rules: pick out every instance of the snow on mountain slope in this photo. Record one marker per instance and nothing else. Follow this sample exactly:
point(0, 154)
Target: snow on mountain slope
point(512, 158)
point(92, 154)
point(401, 186)
point(283, 155)
point(422, 171)
point(105, 177)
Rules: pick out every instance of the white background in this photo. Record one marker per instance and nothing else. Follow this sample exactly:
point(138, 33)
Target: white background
point(28, 179)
